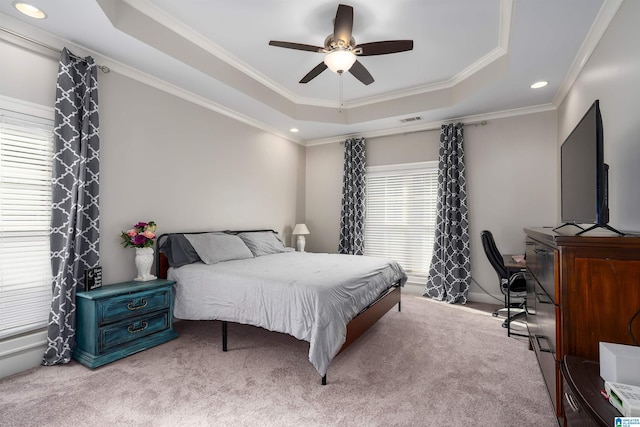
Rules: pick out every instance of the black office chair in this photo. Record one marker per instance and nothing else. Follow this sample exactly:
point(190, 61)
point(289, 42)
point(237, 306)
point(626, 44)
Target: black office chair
point(511, 286)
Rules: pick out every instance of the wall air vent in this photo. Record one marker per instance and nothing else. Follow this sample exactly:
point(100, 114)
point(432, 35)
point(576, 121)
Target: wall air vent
point(410, 119)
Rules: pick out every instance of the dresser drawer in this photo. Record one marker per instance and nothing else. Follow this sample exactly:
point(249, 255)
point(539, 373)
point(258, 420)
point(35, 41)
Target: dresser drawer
point(546, 320)
point(130, 330)
point(543, 339)
point(540, 262)
point(135, 304)
point(532, 321)
point(548, 366)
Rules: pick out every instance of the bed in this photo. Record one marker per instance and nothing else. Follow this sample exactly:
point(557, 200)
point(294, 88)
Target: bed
point(250, 277)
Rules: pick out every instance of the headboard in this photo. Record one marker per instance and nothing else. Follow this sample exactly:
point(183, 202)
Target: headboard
point(162, 262)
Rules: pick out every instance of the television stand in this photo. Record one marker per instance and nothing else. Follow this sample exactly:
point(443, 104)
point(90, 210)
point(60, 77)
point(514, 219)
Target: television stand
point(583, 292)
point(596, 226)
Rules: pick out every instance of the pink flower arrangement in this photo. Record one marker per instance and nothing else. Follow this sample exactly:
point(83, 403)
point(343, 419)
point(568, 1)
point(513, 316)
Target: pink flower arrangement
point(140, 236)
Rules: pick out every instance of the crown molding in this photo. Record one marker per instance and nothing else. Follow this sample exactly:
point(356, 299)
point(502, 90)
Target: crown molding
point(159, 15)
point(606, 14)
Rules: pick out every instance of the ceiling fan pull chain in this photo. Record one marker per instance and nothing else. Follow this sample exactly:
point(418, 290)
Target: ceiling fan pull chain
point(341, 93)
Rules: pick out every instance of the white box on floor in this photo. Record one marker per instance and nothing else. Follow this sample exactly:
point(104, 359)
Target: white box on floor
point(620, 363)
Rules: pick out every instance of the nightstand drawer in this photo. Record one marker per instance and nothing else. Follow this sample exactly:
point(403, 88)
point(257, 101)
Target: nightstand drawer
point(132, 329)
point(125, 306)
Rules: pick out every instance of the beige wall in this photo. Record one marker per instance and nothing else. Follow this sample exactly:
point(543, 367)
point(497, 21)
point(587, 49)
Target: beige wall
point(511, 175)
point(512, 182)
point(612, 76)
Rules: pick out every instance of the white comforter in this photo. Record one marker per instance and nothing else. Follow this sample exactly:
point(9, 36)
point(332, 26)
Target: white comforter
point(308, 295)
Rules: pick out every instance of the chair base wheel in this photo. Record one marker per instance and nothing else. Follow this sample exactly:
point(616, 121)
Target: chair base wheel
point(494, 314)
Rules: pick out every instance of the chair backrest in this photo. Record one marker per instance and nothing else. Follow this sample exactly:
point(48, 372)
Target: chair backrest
point(494, 255)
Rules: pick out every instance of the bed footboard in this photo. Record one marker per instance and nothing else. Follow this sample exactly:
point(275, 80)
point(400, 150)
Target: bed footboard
point(368, 317)
point(371, 315)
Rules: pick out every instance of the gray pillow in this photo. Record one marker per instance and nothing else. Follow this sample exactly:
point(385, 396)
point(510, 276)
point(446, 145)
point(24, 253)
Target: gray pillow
point(264, 243)
point(217, 247)
point(178, 251)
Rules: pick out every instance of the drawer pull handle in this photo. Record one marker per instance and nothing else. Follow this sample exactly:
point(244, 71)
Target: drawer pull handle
point(140, 329)
point(572, 402)
point(543, 350)
point(143, 303)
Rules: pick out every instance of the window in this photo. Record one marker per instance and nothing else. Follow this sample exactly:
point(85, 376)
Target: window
point(26, 150)
point(401, 214)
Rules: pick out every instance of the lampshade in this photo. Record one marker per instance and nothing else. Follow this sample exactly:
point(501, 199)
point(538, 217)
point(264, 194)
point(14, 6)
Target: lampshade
point(339, 61)
point(300, 229)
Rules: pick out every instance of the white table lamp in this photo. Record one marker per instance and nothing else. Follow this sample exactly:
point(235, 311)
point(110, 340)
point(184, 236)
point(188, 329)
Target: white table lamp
point(300, 230)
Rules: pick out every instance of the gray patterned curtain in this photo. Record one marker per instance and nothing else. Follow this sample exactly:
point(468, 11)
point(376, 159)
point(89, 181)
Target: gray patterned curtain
point(450, 270)
point(353, 198)
point(75, 208)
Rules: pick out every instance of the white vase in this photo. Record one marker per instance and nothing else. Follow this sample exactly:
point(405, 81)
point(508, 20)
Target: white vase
point(144, 260)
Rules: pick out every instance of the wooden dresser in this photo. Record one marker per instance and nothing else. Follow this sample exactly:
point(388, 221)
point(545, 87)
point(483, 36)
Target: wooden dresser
point(580, 291)
point(118, 320)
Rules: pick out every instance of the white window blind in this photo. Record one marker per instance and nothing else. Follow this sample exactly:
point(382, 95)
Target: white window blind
point(26, 150)
point(401, 214)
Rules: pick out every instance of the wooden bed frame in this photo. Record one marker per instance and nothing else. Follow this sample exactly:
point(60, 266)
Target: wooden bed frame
point(355, 328)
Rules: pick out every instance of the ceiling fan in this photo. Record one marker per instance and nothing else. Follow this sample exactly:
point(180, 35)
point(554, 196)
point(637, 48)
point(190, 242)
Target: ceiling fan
point(341, 49)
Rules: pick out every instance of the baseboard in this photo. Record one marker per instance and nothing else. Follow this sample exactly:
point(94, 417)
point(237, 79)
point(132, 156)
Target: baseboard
point(485, 298)
point(23, 352)
point(413, 288)
point(419, 289)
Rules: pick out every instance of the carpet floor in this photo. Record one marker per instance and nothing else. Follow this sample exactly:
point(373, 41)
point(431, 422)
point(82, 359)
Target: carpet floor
point(431, 364)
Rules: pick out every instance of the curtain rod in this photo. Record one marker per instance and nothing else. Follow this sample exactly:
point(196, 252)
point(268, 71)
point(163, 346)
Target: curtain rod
point(480, 123)
point(102, 68)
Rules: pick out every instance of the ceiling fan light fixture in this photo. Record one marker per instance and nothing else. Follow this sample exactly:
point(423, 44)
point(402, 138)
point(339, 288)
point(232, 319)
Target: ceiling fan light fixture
point(339, 61)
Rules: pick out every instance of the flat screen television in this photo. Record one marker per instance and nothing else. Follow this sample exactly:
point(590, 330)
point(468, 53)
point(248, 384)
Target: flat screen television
point(584, 174)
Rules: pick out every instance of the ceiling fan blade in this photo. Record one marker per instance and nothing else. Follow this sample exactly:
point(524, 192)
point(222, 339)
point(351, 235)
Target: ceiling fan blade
point(361, 73)
point(314, 73)
point(343, 24)
point(385, 47)
point(297, 46)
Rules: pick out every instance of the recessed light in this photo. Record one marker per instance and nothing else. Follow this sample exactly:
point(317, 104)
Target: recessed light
point(29, 10)
point(294, 130)
point(538, 85)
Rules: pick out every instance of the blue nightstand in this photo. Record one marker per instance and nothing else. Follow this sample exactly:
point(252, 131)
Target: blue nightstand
point(118, 320)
